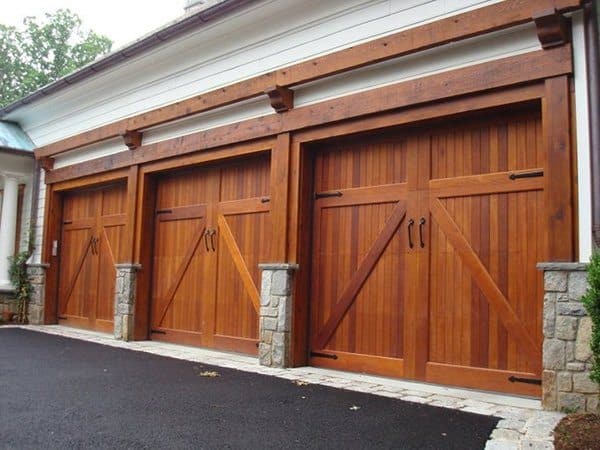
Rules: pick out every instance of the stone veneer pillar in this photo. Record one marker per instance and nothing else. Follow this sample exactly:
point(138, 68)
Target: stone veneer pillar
point(125, 288)
point(566, 384)
point(276, 314)
point(37, 277)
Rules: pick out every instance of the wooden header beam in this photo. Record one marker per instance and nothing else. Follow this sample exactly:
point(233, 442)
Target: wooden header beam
point(501, 73)
point(490, 18)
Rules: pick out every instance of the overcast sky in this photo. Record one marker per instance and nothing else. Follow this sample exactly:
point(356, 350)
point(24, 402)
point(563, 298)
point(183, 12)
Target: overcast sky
point(121, 20)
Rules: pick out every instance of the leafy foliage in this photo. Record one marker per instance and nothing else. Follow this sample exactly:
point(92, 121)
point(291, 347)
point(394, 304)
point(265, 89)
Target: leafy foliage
point(591, 301)
point(19, 278)
point(44, 51)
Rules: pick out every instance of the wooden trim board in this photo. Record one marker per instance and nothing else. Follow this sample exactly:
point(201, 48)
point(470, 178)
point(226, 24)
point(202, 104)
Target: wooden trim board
point(470, 24)
point(497, 74)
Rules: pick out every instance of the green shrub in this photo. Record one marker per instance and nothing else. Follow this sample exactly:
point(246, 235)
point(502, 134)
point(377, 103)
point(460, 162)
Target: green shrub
point(20, 280)
point(591, 301)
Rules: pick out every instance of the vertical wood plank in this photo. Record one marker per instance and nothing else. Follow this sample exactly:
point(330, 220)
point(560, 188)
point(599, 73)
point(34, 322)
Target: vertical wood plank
point(558, 188)
point(130, 211)
point(143, 247)
point(299, 245)
point(280, 177)
point(52, 219)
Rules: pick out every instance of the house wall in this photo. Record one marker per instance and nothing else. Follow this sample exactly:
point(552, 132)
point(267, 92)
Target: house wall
point(361, 20)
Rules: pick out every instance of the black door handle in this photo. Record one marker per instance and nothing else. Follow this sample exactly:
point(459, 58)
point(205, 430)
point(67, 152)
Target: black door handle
point(206, 233)
point(421, 224)
point(212, 238)
point(411, 223)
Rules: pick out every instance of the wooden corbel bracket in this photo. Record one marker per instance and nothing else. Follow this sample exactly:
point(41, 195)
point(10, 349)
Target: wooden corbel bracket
point(132, 139)
point(46, 163)
point(553, 29)
point(282, 98)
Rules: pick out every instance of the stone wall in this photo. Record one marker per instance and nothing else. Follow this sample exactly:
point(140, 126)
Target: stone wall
point(567, 355)
point(37, 277)
point(125, 287)
point(7, 301)
point(275, 324)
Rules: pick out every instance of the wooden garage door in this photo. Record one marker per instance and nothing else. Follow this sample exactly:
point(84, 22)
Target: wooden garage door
point(91, 243)
point(425, 252)
point(209, 238)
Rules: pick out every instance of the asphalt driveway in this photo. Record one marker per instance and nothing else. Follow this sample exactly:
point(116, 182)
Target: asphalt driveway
point(64, 393)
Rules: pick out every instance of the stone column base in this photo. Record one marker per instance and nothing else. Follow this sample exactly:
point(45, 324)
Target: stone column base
point(274, 348)
point(37, 277)
point(125, 289)
point(567, 356)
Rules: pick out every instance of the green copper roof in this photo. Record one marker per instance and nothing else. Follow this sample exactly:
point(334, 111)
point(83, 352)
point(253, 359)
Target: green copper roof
point(12, 137)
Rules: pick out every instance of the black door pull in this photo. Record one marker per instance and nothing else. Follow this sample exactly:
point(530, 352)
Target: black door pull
point(206, 233)
point(212, 238)
point(537, 173)
point(411, 222)
point(421, 224)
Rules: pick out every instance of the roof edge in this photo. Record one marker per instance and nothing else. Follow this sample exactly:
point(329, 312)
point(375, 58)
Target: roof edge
point(146, 43)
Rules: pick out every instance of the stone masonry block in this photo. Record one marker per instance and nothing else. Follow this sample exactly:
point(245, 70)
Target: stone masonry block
point(549, 394)
point(566, 327)
point(269, 323)
point(575, 366)
point(266, 336)
point(549, 318)
point(592, 404)
point(265, 287)
point(284, 318)
point(568, 402)
point(565, 382)
point(268, 312)
point(281, 282)
point(578, 285)
point(554, 354)
point(124, 309)
point(570, 351)
point(562, 297)
point(583, 384)
point(583, 351)
point(571, 309)
point(555, 281)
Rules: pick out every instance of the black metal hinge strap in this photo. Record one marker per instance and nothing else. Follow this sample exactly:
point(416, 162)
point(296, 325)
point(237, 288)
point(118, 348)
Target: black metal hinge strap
point(323, 355)
point(265, 199)
point(67, 222)
point(537, 173)
point(514, 379)
point(319, 195)
point(158, 332)
point(164, 211)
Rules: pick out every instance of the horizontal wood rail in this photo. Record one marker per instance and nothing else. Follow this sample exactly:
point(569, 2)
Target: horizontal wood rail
point(504, 72)
point(494, 17)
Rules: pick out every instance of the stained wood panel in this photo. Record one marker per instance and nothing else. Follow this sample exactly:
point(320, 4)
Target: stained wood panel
point(209, 240)
point(425, 245)
point(485, 296)
point(359, 257)
point(90, 246)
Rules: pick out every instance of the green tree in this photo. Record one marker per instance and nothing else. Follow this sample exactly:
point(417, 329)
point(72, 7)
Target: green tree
point(43, 51)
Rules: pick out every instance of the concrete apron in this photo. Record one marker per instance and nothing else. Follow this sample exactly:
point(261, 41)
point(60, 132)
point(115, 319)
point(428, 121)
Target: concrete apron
point(523, 424)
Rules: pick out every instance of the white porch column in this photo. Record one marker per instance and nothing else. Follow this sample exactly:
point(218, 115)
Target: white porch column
point(8, 225)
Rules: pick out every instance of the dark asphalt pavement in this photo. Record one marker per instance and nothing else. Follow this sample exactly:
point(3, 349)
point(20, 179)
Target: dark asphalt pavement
point(59, 393)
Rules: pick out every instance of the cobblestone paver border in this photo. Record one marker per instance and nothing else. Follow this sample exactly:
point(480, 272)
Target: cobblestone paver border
point(523, 424)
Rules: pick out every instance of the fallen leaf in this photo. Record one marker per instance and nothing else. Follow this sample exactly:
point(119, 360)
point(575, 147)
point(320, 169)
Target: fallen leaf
point(300, 382)
point(354, 408)
point(209, 373)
